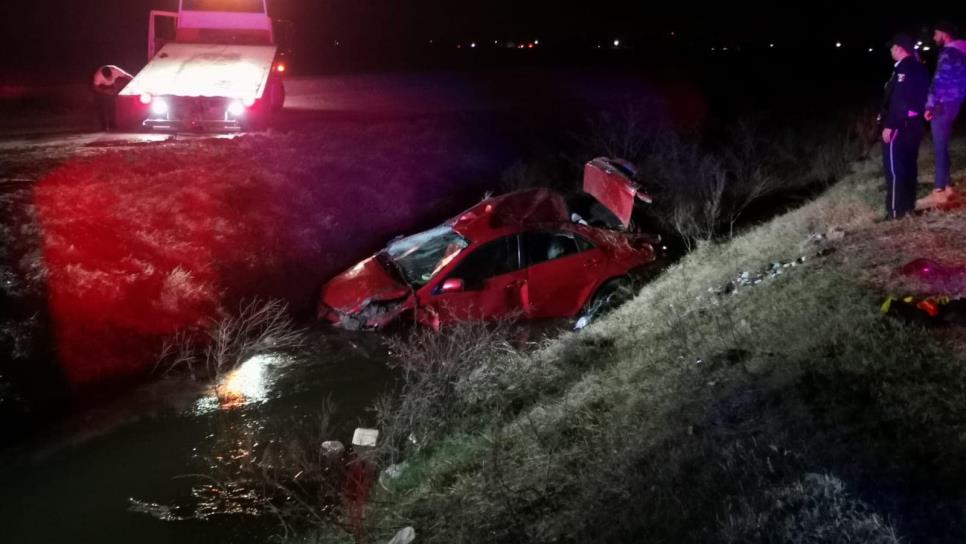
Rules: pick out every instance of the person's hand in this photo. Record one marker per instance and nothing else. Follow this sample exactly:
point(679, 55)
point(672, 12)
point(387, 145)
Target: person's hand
point(929, 114)
point(888, 135)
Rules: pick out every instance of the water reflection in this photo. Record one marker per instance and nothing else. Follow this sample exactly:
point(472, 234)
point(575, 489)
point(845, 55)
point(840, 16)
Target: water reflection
point(250, 383)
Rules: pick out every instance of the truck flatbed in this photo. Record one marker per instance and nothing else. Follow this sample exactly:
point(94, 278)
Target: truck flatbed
point(201, 70)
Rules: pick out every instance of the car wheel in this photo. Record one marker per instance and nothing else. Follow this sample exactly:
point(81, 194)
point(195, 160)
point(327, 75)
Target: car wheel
point(608, 297)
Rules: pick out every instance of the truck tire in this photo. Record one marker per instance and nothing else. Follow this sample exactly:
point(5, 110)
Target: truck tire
point(276, 95)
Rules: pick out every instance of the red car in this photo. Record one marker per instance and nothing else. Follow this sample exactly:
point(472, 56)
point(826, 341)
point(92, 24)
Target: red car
point(528, 254)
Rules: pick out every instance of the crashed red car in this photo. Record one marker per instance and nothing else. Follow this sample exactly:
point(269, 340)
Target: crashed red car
point(529, 253)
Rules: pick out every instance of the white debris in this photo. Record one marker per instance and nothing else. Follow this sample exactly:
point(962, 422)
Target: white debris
point(367, 438)
point(404, 536)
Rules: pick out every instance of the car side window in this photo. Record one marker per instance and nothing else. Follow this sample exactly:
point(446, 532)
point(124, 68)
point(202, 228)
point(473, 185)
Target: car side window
point(547, 246)
point(489, 260)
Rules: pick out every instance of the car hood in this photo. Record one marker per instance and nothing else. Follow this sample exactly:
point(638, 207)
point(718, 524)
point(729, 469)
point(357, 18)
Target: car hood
point(368, 281)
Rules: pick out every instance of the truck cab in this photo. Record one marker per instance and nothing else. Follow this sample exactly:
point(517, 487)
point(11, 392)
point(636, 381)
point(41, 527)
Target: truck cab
point(213, 64)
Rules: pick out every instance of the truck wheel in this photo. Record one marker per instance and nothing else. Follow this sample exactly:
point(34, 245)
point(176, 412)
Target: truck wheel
point(276, 95)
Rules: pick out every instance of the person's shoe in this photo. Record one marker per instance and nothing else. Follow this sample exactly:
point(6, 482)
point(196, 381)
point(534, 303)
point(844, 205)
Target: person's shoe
point(936, 198)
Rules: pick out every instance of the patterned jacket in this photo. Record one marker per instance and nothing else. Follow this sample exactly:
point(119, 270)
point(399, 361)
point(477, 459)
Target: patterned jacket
point(949, 85)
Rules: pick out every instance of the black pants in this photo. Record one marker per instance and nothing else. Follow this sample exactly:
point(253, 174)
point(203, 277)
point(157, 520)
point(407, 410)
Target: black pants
point(901, 161)
point(106, 110)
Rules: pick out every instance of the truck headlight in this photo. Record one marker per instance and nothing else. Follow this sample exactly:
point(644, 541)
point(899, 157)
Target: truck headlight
point(236, 108)
point(159, 107)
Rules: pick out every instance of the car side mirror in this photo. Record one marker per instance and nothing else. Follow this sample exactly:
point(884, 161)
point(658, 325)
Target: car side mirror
point(452, 285)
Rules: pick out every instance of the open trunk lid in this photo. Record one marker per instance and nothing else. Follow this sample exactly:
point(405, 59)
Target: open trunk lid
point(610, 182)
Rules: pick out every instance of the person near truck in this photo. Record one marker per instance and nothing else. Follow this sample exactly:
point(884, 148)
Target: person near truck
point(942, 108)
point(108, 82)
point(903, 126)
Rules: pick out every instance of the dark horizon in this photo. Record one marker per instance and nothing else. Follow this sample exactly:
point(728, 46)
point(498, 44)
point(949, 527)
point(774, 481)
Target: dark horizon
point(62, 39)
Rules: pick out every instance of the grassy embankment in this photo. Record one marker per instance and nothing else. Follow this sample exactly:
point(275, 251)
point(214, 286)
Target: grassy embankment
point(788, 411)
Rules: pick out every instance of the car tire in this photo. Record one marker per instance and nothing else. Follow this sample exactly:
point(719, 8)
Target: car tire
point(608, 296)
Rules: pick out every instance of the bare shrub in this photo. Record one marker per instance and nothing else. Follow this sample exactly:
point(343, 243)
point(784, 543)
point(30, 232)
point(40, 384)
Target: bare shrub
point(259, 326)
point(705, 191)
point(437, 369)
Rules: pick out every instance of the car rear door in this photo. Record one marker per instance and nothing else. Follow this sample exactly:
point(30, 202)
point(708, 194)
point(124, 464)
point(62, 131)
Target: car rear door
point(563, 269)
point(494, 284)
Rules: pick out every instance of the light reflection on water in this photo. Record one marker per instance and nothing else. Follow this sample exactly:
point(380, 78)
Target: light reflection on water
point(250, 383)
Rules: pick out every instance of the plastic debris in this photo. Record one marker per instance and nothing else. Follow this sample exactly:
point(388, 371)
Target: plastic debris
point(367, 438)
point(404, 536)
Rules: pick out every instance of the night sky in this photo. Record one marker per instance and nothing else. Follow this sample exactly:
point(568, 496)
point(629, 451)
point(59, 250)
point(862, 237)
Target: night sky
point(63, 34)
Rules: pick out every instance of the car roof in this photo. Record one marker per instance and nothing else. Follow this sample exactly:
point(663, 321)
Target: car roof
point(505, 214)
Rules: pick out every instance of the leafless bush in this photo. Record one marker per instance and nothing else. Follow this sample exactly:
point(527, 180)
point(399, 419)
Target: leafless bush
point(437, 368)
point(258, 326)
point(704, 192)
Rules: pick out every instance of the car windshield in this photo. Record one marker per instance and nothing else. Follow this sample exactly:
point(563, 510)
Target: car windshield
point(421, 256)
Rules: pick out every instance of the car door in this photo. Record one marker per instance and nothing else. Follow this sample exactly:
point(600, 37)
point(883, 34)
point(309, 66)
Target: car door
point(492, 284)
point(563, 269)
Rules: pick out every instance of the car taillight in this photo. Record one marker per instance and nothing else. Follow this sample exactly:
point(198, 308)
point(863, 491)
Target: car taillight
point(280, 68)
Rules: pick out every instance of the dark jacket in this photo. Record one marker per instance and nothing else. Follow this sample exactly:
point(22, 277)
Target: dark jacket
point(906, 93)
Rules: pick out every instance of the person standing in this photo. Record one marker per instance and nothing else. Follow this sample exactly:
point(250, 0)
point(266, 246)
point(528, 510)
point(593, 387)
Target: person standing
point(942, 108)
point(108, 82)
point(902, 122)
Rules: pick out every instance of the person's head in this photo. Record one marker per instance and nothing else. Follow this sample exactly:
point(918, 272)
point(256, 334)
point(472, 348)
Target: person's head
point(106, 72)
point(902, 46)
point(945, 33)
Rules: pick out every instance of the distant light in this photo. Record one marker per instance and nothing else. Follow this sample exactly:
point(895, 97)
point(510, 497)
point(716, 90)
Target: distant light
point(496, 42)
point(337, 43)
point(838, 45)
point(536, 42)
point(714, 48)
point(236, 108)
point(146, 98)
point(281, 68)
point(617, 43)
point(926, 48)
point(159, 107)
point(724, 48)
point(771, 45)
point(916, 47)
point(871, 50)
point(473, 45)
point(919, 43)
point(530, 46)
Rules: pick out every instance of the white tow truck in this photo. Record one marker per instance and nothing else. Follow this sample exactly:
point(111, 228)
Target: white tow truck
point(212, 65)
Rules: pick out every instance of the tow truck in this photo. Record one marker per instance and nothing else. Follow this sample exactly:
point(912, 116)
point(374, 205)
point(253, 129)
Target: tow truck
point(212, 65)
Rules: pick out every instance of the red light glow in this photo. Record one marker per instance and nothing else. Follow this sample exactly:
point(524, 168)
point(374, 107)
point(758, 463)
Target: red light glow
point(146, 98)
point(280, 68)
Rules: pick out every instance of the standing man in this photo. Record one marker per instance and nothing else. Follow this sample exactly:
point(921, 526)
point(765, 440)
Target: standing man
point(945, 100)
point(108, 81)
point(903, 126)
